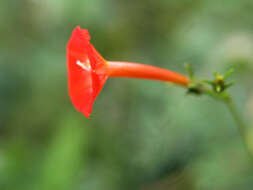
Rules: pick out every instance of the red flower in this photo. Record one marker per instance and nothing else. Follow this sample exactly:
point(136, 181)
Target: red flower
point(88, 71)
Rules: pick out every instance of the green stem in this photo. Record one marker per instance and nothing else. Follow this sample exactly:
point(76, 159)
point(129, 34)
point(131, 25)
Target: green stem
point(229, 103)
point(226, 98)
point(202, 88)
point(240, 124)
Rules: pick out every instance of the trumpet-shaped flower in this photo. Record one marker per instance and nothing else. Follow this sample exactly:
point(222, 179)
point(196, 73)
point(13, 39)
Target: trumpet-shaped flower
point(88, 71)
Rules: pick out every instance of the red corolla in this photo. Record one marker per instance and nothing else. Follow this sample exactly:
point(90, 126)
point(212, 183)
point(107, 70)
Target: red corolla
point(88, 71)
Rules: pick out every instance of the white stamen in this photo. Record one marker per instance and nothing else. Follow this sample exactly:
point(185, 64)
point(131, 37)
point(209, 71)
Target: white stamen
point(85, 66)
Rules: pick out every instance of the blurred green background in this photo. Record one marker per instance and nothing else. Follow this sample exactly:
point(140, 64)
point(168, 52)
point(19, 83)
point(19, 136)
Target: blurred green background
point(142, 135)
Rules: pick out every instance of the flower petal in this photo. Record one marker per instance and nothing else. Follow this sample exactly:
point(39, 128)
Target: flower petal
point(87, 71)
point(80, 85)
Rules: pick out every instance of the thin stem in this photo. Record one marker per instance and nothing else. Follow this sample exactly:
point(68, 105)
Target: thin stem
point(236, 116)
point(226, 98)
point(240, 124)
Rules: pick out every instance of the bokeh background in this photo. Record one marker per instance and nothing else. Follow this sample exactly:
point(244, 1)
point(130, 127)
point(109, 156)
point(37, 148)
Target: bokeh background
point(142, 135)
